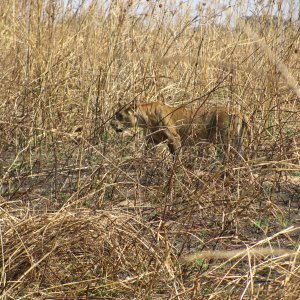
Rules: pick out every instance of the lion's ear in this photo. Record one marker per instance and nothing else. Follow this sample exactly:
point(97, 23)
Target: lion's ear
point(130, 110)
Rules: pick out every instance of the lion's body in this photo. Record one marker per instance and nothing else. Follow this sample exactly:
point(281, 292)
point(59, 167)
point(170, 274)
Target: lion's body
point(183, 126)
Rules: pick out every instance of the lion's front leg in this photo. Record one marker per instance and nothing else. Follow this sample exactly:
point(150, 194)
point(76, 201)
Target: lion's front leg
point(174, 149)
point(174, 144)
point(148, 141)
point(171, 136)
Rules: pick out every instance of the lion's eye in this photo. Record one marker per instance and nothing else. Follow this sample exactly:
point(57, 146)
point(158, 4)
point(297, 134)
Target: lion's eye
point(118, 116)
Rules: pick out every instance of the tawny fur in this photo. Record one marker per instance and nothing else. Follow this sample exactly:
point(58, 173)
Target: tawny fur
point(184, 126)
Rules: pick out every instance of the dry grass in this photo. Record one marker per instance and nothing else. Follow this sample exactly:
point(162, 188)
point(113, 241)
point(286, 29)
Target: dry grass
point(88, 214)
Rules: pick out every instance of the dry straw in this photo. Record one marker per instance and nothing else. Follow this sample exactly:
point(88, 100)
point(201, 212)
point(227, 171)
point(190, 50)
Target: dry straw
point(88, 214)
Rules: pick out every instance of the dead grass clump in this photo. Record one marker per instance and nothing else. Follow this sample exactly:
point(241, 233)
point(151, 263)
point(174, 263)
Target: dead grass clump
point(116, 254)
point(83, 253)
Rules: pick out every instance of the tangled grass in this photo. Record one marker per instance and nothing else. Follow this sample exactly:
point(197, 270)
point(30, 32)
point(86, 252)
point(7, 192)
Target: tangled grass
point(88, 214)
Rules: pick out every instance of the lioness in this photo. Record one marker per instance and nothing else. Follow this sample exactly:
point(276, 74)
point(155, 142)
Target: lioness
point(181, 126)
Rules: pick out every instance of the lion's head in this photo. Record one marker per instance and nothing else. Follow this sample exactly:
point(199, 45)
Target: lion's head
point(124, 119)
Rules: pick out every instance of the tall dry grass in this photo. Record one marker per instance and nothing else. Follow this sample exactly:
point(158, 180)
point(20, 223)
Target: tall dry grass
point(87, 214)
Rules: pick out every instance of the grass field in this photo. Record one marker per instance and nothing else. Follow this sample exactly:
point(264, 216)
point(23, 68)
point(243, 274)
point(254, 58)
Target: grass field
point(86, 213)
